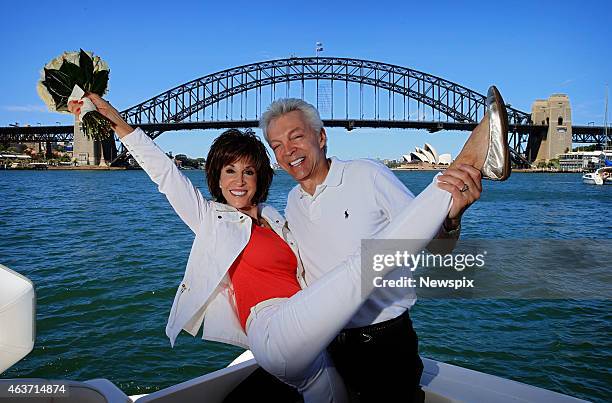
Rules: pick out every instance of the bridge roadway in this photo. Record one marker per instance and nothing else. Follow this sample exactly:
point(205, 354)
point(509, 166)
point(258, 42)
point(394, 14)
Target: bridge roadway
point(581, 134)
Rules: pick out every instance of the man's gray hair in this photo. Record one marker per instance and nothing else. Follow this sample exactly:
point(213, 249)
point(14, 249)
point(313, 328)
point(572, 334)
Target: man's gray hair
point(283, 106)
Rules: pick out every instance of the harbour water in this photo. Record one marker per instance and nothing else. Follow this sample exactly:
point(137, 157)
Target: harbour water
point(106, 252)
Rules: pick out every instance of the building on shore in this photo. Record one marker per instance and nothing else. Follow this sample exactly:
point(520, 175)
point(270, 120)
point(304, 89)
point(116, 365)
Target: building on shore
point(426, 157)
point(11, 160)
point(580, 161)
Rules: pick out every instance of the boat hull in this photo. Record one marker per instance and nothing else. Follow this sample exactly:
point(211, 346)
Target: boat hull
point(441, 382)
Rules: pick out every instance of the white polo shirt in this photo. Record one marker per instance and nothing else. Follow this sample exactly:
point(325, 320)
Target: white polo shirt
point(356, 201)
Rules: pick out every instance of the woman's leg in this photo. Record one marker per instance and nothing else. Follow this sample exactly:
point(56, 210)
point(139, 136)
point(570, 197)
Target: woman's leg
point(318, 382)
point(287, 337)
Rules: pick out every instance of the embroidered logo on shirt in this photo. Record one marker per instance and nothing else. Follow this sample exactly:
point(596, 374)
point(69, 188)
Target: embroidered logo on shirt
point(346, 214)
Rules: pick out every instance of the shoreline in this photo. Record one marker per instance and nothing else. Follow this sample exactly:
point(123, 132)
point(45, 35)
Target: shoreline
point(514, 170)
point(104, 168)
point(86, 168)
point(70, 168)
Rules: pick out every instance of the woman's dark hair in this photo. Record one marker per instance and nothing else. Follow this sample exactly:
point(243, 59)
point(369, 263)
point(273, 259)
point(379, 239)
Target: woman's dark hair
point(231, 146)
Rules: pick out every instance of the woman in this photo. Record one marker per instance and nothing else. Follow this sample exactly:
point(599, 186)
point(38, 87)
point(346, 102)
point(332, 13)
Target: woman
point(243, 279)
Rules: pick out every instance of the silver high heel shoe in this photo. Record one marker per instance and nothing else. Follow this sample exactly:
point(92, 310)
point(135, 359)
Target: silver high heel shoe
point(497, 163)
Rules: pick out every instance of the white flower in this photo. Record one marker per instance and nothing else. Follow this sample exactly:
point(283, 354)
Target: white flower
point(56, 63)
point(72, 57)
point(99, 64)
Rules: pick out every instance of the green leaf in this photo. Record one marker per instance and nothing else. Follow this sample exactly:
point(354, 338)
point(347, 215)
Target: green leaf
point(74, 72)
point(59, 81)
point(87, 66)
point(57, 99)
point(99, 82)
point(60, 98)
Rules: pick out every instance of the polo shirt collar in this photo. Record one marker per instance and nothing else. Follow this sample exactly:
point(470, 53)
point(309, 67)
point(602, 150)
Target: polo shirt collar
point(336, 170)
point(333, 178)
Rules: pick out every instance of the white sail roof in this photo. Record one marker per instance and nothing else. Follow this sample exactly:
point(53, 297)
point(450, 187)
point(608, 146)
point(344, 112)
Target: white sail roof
point(434, 153)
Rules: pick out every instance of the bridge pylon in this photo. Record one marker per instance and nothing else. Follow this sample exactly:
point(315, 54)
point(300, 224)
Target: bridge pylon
point(90, 152)
point(554, 112)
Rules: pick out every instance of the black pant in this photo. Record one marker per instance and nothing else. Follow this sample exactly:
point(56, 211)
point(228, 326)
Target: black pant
point(379, 363)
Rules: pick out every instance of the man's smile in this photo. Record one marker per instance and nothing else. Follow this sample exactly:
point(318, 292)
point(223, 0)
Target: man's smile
point(297, 162)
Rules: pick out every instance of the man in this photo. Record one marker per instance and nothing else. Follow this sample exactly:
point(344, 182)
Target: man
point(335, 205)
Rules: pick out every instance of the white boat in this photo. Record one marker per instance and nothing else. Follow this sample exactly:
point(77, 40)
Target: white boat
point(603, 176)
point(441, 383)
point(592, 178)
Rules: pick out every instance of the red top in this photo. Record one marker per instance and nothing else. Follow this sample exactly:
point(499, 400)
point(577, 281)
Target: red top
point(265, 269)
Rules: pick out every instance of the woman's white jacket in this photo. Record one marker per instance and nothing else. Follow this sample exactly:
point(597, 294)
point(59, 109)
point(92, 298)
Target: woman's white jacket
point(221, 233)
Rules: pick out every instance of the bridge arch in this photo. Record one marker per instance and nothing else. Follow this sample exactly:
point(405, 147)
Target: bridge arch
point(454, 101)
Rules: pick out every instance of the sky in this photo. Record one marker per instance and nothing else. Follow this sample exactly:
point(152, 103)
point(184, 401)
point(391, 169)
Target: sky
point(529, 49)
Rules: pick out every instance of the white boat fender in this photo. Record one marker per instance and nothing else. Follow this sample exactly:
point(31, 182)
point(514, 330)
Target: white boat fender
point(17, 317)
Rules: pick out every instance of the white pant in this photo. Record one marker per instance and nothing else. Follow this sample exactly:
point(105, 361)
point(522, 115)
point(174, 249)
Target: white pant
point(288, 336)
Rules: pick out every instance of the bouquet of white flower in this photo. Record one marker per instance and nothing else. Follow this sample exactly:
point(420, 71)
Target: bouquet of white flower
point(67, 78)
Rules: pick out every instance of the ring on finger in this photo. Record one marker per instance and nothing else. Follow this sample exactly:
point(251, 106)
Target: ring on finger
point(464, 188)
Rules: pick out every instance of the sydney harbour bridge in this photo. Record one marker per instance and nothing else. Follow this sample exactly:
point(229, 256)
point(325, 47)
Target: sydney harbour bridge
point(349, 93)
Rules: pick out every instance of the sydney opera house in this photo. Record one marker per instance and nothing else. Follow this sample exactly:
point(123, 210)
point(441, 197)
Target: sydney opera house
point(427, 155)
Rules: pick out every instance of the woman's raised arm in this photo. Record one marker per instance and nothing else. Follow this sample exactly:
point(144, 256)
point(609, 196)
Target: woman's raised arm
point(184, 197)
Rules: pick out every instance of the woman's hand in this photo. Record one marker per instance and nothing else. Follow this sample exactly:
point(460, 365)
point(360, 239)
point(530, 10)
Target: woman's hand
point(119, 125)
